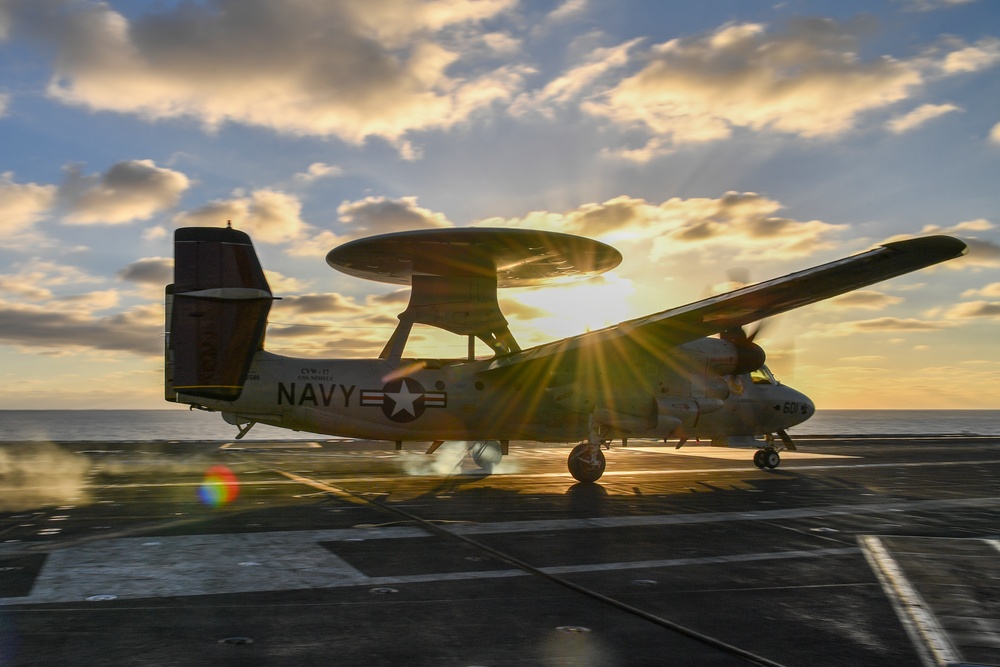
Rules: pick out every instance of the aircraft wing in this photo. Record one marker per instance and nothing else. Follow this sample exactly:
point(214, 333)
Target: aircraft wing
point(715, 314)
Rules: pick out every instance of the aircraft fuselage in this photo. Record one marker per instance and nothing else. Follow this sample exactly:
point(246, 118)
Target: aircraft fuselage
point(426, 400)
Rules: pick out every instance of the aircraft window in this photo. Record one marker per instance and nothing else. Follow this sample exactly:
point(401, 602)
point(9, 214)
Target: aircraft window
point(763, 375)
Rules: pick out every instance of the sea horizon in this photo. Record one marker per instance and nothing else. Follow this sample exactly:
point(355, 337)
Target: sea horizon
point(171, 424)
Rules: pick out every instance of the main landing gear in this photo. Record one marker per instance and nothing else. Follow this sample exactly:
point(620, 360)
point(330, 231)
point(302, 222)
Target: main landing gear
point(586, 462)
point(487, 453)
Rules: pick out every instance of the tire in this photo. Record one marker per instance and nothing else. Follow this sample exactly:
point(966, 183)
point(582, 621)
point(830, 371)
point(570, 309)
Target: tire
point(587, 463)
point(486, 454)
point(771, 459)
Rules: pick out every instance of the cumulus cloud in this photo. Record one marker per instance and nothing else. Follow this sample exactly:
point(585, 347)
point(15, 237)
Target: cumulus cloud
point(129, 190)
point(22, 205)
point(745, 221)
point(349, 69)
point(68, 324)
point(865, 299)
point(995, 134)
point(382, 215)
point(267, 215)
point(312, 304)
point(149, 271)
point(567, 10)
point(929, 5)
point(4, 99)
point(32, 279)
point(983, 54)
point(991, 290)
point(882, 325)
point(974, 310)
point(919, 116)
point(576, 82)
point(807, 80)
point(318, 170)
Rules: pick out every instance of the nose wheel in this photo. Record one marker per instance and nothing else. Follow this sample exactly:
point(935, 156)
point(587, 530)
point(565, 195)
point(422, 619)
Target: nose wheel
point(767, 458)
point(586, 462)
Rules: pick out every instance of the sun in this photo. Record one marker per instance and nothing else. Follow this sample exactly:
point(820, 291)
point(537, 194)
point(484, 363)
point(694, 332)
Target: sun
point(574, 308)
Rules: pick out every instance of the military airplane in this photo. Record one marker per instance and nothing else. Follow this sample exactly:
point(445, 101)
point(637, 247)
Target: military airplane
point(686, 372)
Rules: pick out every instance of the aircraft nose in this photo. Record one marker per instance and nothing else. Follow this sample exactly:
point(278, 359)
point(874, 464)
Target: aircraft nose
point(806, 407)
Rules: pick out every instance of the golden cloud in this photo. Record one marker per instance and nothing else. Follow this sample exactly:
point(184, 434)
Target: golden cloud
point(349, 69)
point(267, 215)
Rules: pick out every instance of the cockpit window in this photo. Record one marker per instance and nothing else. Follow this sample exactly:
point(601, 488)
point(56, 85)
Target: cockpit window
point(763, 375)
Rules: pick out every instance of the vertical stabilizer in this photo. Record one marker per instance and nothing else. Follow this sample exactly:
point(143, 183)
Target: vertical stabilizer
point(217, 312)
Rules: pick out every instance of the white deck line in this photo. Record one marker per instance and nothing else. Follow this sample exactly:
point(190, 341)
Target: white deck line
point(929, 639)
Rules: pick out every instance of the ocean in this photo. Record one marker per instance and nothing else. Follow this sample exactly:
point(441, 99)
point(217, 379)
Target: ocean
point(179, 424)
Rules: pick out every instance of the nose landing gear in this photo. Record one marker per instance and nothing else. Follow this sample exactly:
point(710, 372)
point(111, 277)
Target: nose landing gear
point(767, 458)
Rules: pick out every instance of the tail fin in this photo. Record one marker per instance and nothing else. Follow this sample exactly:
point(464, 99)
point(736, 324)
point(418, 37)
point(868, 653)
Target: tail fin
point(216, 313)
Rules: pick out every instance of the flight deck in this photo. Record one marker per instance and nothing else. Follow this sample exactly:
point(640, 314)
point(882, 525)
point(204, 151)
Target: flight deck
point(855, 551)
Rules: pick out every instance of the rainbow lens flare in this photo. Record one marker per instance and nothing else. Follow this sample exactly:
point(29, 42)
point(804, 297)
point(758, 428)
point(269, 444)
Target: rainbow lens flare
point(220, 486)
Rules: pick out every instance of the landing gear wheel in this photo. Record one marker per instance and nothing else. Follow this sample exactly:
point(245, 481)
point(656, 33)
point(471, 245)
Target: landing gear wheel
point(586, 462)
point(486, 453)
point(758, 459)
point(771, 458)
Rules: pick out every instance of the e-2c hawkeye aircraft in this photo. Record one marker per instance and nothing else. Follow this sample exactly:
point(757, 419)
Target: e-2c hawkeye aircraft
point(687, 372)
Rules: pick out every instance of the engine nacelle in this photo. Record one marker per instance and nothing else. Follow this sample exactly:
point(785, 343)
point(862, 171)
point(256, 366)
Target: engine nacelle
point(723, 357)
point(666, 415)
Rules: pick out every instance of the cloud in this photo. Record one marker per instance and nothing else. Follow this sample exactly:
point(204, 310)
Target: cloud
point(575, 83)
point(882, 325)
point(4, 99)
point(22, 205)
point(991, 290)
point(149, 271)
point(381, 215)
point(995, 134)
point(974, 309)
point(351, 69)
point(865, 299)
point(929, 5)
point(972, 58)
point(66, 325)
point(807, 80)
point(129, 190)
point(982, 254)
point(317, 304)
point(919, 116)
point(569, 9)
point(32, 279)
point(267, 215)
point(318, 170)
point(741, 221)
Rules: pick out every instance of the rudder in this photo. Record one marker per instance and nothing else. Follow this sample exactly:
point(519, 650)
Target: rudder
point(216, 312)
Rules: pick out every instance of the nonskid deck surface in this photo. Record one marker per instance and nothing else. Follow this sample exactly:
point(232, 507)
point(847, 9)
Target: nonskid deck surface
point(859, 551)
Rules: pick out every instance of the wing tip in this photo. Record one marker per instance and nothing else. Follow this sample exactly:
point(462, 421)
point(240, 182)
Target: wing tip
point(939, 247)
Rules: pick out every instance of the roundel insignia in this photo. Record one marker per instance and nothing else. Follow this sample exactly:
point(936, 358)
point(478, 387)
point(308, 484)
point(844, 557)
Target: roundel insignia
point(735, 384)
point(403, 399)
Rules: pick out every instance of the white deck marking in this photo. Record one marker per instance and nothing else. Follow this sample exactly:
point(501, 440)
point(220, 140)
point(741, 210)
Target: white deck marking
point(132, 568)
point(930, 640)
point(137, 567)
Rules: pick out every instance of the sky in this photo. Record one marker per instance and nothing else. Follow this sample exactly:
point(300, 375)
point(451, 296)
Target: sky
point(713, 143)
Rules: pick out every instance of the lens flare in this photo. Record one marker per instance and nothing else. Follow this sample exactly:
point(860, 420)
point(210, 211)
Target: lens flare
point(220, 486)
